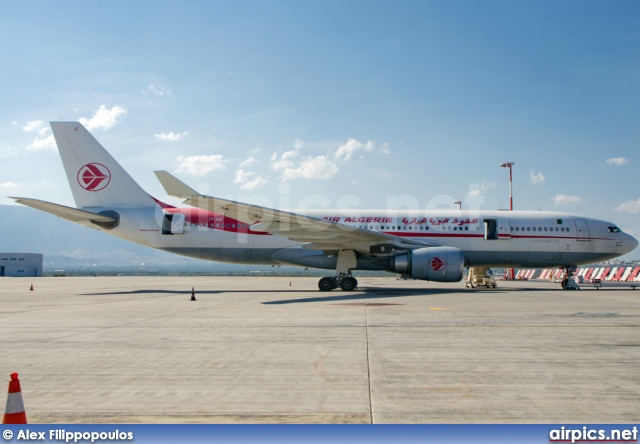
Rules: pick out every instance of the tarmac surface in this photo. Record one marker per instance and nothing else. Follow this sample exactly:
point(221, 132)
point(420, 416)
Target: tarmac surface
point(276, 350)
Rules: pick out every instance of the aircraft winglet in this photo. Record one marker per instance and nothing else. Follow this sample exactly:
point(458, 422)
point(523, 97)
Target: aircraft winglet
point(174, 186)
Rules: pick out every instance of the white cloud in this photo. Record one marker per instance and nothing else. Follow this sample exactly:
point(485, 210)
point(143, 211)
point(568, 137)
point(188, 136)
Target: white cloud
point(617, 161)
point(43, 143)
point(284, 161)
point(243, 176)
point(171, 136)
point(8, 185)
point(384, 148)
point(560, 199)
point(249, 179)
point(156, 91)
point(104, 118)
point(484, 188)
point(632, 206)
point(251, 160)
point(311, 168)
point(294, 166)
point(14, 122)
point(35, 126)
point(255, 183)
point(537, 178)
point(200, 165)
point(347, 150)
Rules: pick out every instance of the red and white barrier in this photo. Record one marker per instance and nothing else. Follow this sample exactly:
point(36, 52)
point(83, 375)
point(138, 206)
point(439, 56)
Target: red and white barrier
point(546, 274)
point(588, 274)
point(618, 276)
point(635, 274)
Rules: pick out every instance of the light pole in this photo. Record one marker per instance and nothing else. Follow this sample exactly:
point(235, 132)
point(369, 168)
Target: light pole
point(459, 204)
point(509, 165)
point(510, 275)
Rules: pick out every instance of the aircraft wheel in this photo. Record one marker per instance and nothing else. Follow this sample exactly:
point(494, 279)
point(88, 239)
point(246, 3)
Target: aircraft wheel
point(326, 284)
point(349, 284)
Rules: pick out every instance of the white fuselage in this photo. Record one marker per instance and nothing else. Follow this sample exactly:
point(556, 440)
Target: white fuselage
point(487, 238)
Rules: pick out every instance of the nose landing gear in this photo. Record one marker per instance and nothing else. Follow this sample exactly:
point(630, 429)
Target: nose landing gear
point(568, 280)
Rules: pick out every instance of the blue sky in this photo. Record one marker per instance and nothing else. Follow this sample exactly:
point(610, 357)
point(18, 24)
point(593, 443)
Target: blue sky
point(276, 101)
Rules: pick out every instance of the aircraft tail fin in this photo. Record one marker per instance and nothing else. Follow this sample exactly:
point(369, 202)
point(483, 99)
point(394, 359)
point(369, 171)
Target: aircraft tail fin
point(95, 178)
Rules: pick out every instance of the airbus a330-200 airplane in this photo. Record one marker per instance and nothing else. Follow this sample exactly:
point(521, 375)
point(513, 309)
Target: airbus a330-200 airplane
point(428, 245)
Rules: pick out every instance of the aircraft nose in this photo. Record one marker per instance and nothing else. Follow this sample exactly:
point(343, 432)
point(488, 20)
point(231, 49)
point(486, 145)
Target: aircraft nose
point(633, 243)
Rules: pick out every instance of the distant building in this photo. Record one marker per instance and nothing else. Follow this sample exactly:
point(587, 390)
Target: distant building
point(20, 264)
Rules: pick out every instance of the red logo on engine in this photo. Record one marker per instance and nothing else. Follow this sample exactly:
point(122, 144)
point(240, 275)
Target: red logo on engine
point(94, 177)
point(437, 264)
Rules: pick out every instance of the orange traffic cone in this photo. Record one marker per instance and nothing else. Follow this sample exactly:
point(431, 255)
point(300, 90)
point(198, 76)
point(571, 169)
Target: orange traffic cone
point(14, 412)
point(31, 289)
point(193, 294)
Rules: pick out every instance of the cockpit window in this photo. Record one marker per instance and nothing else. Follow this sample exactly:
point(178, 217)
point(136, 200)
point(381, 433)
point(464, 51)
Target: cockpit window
point(613, 229)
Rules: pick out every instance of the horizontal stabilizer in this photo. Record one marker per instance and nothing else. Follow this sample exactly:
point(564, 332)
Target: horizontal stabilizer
point(72, 214)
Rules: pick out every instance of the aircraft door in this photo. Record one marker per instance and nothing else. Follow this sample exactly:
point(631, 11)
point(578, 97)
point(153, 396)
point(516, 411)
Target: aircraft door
point(173, 223)
point(490, 229)
point(582, 230)
point(504, 228)
point(495, 229)
point(177, 224)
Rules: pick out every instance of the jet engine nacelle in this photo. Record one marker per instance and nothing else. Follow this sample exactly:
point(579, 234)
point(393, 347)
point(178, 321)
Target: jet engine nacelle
point(440, 264)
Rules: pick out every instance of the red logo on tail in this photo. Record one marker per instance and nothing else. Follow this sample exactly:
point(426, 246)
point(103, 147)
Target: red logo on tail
point(437, 264)
point(94, 177)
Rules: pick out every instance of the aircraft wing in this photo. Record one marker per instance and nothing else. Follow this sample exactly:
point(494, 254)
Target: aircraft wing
point(314, 232)
point(64, 212)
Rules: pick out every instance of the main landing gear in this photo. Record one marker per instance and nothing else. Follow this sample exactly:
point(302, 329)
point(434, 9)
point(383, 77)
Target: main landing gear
point(346, 283)
point(346, 262)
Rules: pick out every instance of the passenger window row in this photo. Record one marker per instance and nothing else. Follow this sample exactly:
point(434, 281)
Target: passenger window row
point(540, 229)
point(393, 227)
point(408, 228)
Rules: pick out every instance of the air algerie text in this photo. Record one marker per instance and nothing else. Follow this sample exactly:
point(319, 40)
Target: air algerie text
point(404, 220)
point(368, 220)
